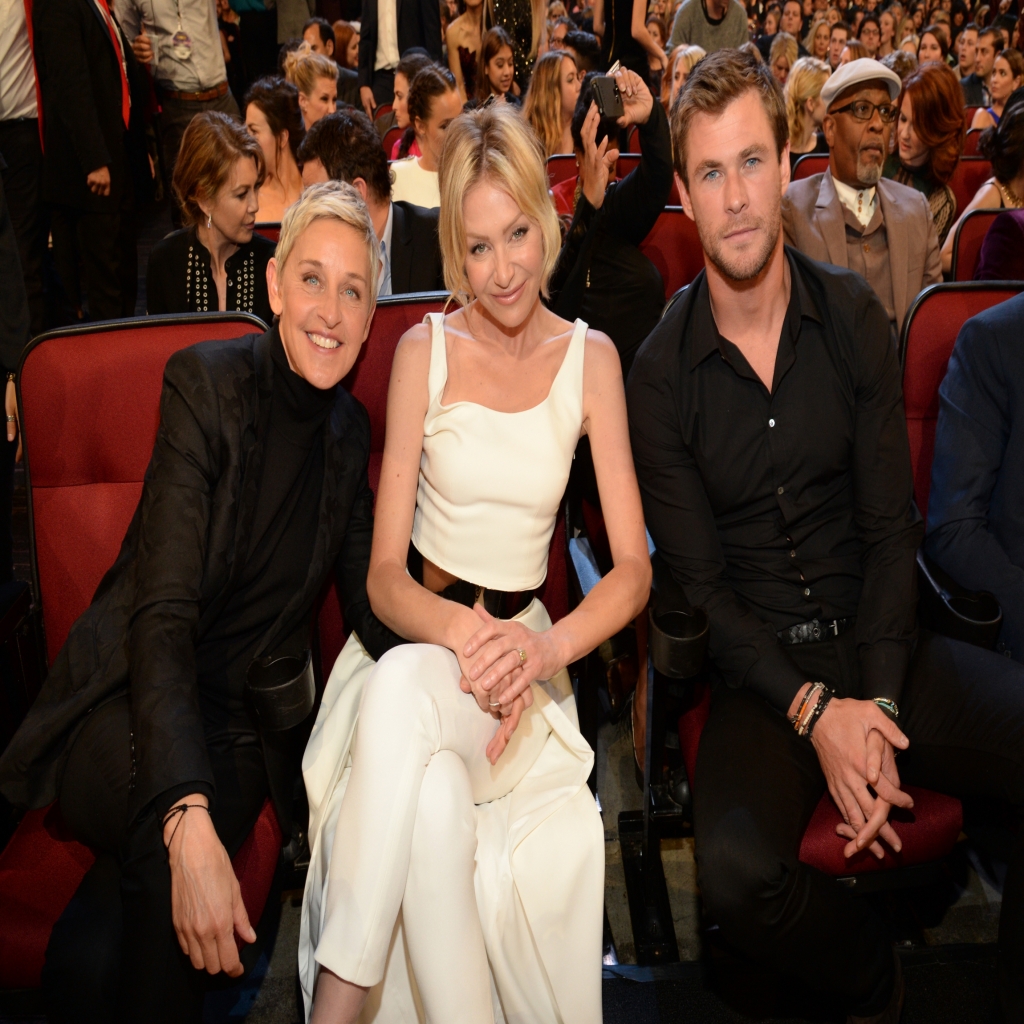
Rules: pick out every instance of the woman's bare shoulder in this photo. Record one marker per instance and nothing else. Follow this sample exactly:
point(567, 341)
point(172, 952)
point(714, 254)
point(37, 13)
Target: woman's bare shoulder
point(413, 351)
point(601, 355)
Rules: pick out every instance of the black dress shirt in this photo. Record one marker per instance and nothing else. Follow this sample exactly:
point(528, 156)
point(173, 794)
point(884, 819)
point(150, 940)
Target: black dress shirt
point(976, 502)
point(773, 508)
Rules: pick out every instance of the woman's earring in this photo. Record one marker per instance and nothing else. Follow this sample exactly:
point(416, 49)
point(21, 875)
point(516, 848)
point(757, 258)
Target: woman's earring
point(209, 220)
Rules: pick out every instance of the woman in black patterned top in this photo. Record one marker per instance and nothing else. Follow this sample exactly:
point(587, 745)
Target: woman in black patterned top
point(215, 262)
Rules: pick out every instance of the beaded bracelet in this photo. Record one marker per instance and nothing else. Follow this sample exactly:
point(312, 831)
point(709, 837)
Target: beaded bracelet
point(811, 690)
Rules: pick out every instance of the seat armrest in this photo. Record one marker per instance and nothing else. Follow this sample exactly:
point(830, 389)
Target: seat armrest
point(954, 611)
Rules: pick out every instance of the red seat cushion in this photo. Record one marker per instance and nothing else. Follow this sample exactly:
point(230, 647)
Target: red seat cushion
point(42, 867)
point(928, 832)
point(673, 246)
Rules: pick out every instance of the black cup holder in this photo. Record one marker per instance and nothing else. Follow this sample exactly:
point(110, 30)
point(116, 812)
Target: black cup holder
point(679, 642)
point(282, 691)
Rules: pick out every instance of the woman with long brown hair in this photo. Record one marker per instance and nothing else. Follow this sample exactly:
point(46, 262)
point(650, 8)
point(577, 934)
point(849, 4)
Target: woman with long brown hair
point(551, 101)
point(930, 139)
point(273, 119)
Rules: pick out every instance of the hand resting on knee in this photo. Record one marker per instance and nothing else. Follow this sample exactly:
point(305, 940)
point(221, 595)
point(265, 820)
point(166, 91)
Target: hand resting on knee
point(206, 901)
point(855, 742)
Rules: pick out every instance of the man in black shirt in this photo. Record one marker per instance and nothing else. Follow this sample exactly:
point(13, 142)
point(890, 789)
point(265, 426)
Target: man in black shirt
point(767, 425)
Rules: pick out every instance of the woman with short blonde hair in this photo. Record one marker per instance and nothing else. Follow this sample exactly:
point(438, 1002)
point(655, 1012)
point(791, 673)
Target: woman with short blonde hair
point(782, 56)
point(805, 109)
point(466, 740)
point(316, 78)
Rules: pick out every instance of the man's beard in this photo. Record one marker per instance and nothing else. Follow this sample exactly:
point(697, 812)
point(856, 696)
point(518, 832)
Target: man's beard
point(868, 174)
point(745, 266)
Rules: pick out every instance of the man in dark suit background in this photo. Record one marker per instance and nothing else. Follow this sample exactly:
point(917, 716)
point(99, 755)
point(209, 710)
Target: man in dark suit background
point(388, 29)
point(94, 157)
point(346, 147)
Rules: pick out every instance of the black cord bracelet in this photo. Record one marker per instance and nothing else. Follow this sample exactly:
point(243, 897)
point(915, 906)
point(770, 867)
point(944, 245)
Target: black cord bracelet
point(818, 710)
point(179, 811)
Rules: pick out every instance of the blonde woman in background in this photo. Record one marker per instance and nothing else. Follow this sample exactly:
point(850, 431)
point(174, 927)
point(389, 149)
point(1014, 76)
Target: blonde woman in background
point(805, 109)
point(782, 56)
point(817, 38)
point(456, 849)
point(681, 62)
point(316, 78)
point(551, 100)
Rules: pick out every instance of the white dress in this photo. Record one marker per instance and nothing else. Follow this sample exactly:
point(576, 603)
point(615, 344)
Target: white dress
point(413, 184)
point(412, 832)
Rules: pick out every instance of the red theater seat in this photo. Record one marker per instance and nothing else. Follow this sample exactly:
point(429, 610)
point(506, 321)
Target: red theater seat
point(90, 409)
point(926, 343)
point(971, 140)
point(673, 246)
point(269, 229)
point(561, 166)
point(970, 234)
point(970, 174)
point(391, 136)
point(811, 163)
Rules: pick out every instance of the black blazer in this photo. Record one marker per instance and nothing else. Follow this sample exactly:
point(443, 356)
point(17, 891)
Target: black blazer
point(419, 24)
point(171, 289)
point(83, 128)
point(177, 568)
point(415, 252)
point(348, 88)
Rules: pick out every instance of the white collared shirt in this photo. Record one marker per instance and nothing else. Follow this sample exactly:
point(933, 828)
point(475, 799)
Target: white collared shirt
point(387, 35)
point(384, 285)
point(859, 201)
point(17, 76)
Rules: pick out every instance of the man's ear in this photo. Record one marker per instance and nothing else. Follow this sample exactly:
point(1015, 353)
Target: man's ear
point(359, 184)
point(274, 286)
point(828, 128)
point(684, 196)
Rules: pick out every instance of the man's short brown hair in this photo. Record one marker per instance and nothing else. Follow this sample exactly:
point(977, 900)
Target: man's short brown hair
point(717, 80)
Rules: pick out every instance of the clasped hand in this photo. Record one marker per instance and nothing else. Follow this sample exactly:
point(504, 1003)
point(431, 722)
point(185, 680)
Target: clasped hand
point(498, 676)
point(855, 742)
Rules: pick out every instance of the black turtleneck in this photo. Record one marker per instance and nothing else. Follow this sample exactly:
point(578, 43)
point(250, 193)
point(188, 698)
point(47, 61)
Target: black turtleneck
point(284, 528)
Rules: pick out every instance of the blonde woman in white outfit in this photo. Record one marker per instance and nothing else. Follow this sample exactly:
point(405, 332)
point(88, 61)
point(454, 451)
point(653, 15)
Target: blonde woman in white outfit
point(457, 874)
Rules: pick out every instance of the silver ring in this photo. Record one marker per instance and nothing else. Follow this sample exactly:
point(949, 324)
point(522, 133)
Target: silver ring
point(10, 419)
point(492, 704)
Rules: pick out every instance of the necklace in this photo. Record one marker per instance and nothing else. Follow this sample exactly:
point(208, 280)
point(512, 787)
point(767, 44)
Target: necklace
point(1012, 196)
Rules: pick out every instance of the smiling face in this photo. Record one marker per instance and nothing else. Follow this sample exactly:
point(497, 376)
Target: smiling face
point(858, 148)
point(913, 152)
point(736, 179)
point(233, 210)
point(430, 134)
point(569, 81)
point(501, 70)
point(322, 296)
point(504, 254)
point(323, 100)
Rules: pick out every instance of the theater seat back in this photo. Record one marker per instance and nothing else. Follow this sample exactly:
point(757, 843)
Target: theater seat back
point(269, 229)
point(929, 333)
point(971, 140)
point(673, 246)
point(90, 405)
point(967, 242)
point(970, 174)
point(391, 136)
point(810, 164)
point(561, 166)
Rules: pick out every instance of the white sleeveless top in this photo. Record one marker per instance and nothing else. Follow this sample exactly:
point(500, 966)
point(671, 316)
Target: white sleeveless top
point(491, 482)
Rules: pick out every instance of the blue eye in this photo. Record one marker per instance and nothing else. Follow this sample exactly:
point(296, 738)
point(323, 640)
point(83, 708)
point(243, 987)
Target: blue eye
point(313, 280)
point(519, 233)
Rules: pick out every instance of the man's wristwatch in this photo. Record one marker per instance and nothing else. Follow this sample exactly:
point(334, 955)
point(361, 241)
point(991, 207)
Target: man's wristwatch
point(890, 707)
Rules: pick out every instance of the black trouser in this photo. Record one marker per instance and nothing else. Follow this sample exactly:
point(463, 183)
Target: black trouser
point(383, 86)
point(103, 246)
point(23, 178)
point(175, 117)
point(114, 955)
point(757, 784)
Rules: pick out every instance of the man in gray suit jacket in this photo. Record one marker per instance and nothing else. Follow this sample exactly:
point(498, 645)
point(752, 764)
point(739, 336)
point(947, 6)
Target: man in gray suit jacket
point(849, 215)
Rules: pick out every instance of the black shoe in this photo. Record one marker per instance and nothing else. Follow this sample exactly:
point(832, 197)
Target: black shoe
point(891, 1014)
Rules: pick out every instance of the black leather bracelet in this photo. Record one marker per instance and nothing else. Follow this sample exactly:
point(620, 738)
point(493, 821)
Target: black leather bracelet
point(818, 710)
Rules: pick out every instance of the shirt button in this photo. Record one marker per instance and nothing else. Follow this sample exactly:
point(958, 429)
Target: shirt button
point(867, 248)
point(771, 423)
point(792, 554)
point(807, 591)
point(781, 490)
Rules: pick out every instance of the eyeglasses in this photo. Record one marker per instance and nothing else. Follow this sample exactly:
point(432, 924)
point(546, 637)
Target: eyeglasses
point(864, 110)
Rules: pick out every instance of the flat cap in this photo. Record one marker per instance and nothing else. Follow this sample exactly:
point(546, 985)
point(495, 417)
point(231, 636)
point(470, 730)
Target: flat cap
point(857, 72)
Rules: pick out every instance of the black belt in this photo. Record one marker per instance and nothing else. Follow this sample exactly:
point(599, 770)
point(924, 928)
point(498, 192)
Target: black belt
point(502, 604)
point(814, 631)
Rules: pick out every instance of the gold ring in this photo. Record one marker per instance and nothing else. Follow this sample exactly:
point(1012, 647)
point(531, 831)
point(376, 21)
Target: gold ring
point(522, 656)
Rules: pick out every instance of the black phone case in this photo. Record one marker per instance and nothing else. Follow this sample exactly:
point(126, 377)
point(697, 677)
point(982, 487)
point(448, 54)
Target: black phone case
point(607, 97)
